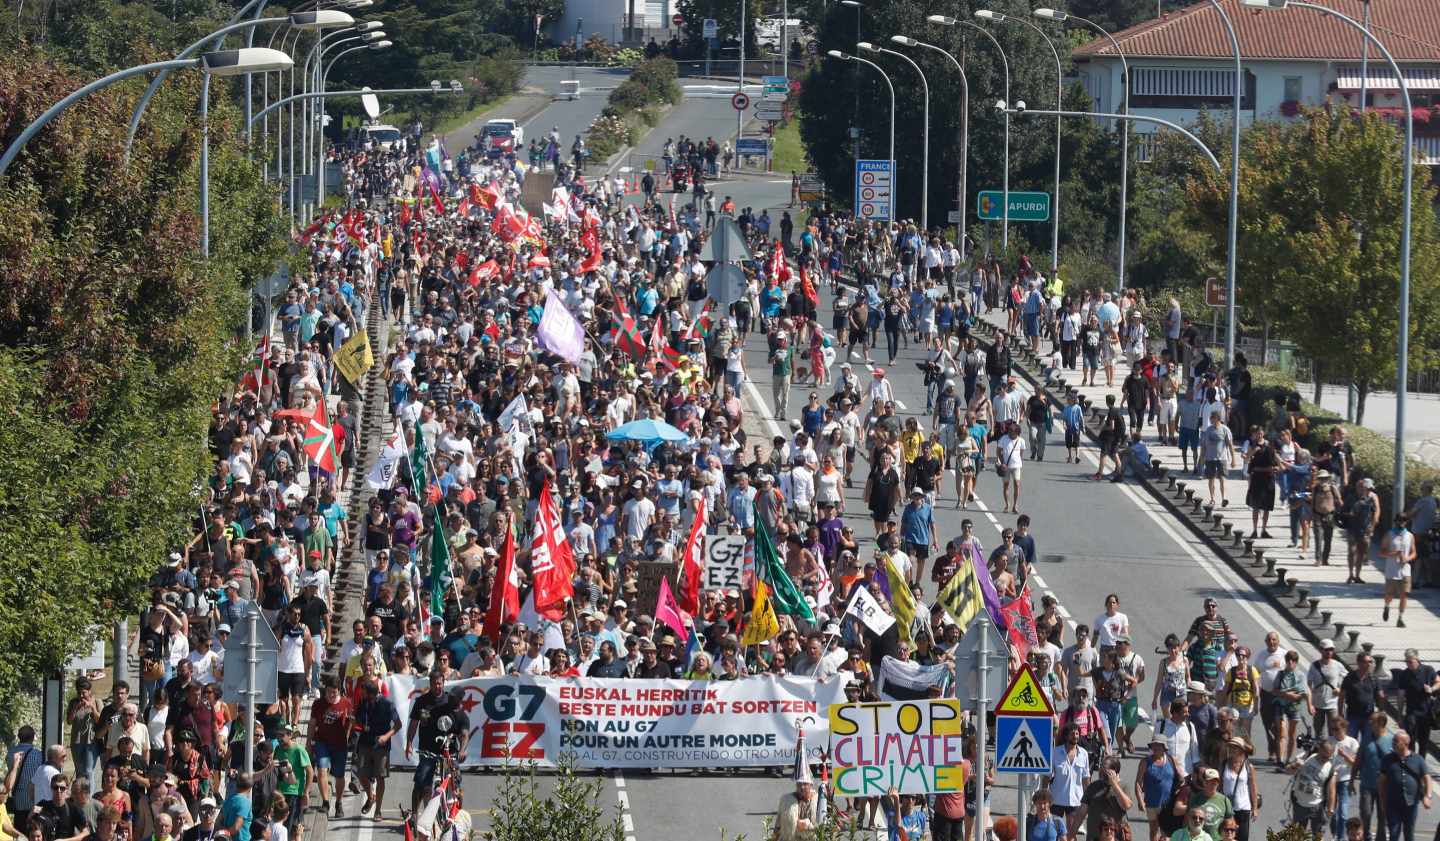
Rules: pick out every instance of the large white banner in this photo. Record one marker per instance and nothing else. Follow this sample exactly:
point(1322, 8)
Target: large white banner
point(618, 723)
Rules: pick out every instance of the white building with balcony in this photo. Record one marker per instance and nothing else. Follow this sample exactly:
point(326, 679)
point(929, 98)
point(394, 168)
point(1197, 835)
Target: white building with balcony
point(1181, 63)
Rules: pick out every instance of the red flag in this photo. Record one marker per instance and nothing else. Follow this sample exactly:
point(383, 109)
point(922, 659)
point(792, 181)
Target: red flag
point(505, 592)
point(315, 228)
point(590, 263)
point(779, 269)
point(692, 564)
point(484, 271)
point(435, 197)
point(320, 439)
point(1019, 620)
point(552, 564)
point(464, 208)
point(540, 261)
point(493, 331)
point(808, 288)
point(404, 214)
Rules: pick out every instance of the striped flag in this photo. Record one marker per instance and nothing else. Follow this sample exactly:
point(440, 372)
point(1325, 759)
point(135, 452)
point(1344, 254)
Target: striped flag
point(902, 602)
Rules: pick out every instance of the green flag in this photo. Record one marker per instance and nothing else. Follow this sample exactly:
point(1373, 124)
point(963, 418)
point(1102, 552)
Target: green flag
point(417, 462)
point(783, 592)
point(439, 567)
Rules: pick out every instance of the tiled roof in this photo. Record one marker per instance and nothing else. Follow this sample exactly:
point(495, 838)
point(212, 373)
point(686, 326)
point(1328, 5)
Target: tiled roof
point(1410, 29)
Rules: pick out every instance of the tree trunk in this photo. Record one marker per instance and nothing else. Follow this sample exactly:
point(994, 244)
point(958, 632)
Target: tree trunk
point(1362, 390)
point(1315, 370)
point(1265, 345)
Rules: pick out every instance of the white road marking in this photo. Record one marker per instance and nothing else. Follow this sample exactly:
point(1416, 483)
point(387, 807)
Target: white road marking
point(900, 404)
point(623, 798)
point(759, 400)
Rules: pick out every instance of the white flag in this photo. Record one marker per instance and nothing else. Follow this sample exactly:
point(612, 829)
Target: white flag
point(515, 413)
point(559, 332)
point(382, 475)
point(864, 607)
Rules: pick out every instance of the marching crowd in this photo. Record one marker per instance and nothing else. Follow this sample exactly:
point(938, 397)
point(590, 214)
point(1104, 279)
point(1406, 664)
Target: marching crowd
point(563, 409)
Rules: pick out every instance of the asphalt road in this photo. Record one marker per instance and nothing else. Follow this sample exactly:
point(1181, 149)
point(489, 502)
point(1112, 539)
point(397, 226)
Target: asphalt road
point(571, 117)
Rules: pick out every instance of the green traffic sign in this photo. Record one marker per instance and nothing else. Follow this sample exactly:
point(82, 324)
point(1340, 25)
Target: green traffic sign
point(1024, 207)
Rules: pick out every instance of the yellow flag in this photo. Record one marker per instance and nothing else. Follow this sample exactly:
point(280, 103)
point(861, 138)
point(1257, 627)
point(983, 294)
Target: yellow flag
point(962, 596)
point(902, 603)
point(763, 624)
point(355, 357)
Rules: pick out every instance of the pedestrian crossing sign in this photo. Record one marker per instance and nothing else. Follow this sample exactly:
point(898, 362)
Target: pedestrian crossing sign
point(1024, 696)
point(1022, 744)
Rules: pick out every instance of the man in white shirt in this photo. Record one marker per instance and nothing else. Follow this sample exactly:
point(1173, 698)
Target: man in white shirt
point(1181, 741)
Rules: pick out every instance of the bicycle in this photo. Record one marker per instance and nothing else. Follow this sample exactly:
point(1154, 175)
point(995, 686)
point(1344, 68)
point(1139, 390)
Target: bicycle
point(441, 816)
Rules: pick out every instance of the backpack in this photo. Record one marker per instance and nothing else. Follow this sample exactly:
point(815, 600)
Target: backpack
point(1167, 819)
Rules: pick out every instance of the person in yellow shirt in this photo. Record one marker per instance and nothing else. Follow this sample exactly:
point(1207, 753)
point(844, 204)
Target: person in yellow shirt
point(911, 440)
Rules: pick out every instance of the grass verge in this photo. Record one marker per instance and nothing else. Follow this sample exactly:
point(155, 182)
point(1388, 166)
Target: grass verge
point(789, 152)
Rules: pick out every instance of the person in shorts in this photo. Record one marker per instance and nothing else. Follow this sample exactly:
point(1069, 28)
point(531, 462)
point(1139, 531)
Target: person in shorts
point(332, 720)
point(1217, 449)
point(376, 724)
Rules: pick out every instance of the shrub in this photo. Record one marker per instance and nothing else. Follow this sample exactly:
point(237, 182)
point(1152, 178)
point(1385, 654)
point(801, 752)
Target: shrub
point(628, 57)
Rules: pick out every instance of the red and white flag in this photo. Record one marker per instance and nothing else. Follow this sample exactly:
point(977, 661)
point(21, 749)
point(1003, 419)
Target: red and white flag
point(552, 564)
point(320, 440)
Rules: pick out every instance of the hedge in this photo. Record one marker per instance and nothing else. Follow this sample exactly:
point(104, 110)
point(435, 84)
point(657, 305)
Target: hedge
point(634, 106)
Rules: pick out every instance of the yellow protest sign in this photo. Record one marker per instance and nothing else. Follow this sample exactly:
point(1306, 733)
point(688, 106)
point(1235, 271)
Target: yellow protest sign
point(763, 624)
point(355, 358)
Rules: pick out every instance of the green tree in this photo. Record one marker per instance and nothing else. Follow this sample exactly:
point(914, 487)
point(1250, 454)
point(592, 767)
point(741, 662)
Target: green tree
point(569, 809)
point(115, 339)
point(1319, 242)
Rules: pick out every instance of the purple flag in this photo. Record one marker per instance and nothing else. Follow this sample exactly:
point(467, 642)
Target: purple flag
point(559, 332)
point(987, 586)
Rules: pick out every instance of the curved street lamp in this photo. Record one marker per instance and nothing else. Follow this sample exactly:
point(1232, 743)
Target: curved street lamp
point(997, 17)
point(964, 126)
point(881, 71)
point(925, 137)
point(220, 63)
point(1402, 363)
point(1005, 65)
point(1062, 17)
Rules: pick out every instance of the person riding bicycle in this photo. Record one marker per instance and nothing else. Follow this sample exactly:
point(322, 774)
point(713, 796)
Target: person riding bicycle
point(442, 727)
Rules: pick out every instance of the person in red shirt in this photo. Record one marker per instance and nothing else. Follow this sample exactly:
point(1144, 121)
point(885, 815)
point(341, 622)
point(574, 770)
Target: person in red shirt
point(331, 719)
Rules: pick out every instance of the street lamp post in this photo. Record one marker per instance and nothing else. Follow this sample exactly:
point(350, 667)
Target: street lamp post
point(878, 69)
point(1005, 65)
point(986, 14)
point(320, 110)
point(964, 125)
point(1061, 17)
point(925, 139)
point(855, 83)
point(1021, 110)
point(219, 63)
point(435, 87)
point(1402, 363)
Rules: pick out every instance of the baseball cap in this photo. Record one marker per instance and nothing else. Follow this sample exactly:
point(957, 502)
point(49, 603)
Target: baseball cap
point(1327, 643)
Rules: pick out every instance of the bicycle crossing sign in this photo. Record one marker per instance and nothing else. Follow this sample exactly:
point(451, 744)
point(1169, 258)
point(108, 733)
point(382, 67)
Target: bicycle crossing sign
point(1022, 744)
point(1024, 697)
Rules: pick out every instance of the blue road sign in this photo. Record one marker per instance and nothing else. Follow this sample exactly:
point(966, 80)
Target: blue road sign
point(1022, 744)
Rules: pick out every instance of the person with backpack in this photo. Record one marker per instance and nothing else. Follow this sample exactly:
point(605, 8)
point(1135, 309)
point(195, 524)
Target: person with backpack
point(1044, 824)
point(1312, 796)
point(1241, 691)
point(1112, 435)
point(1084, 719)
point(1071, 768)
point(1181, 740)
point(1364, 516)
